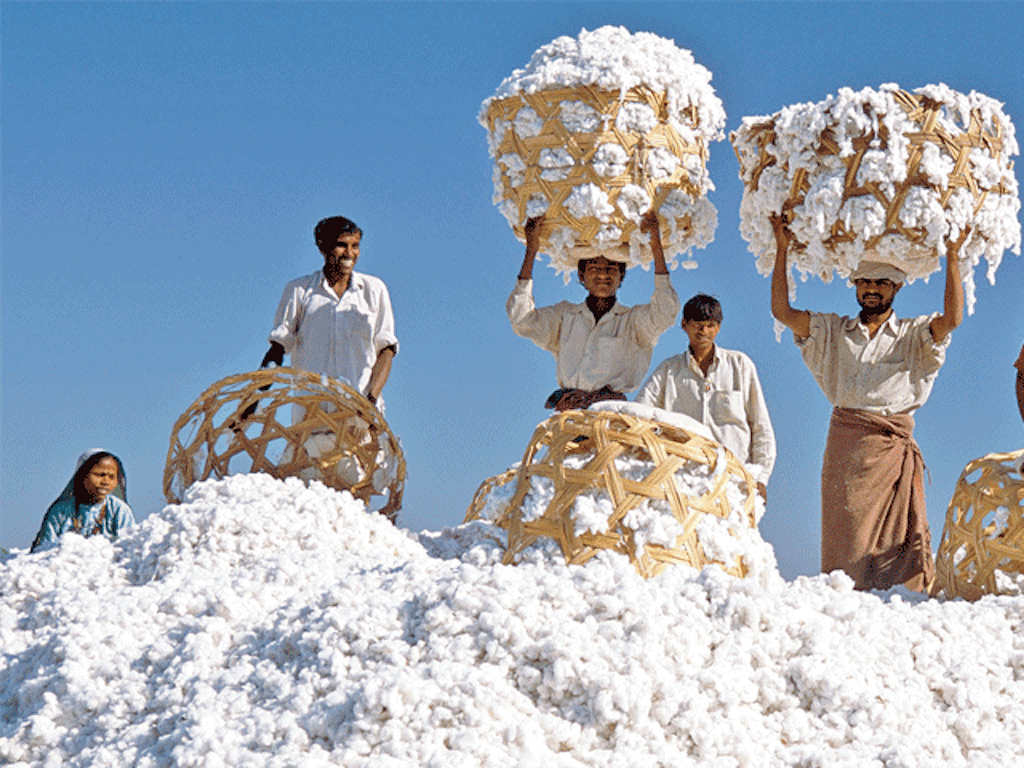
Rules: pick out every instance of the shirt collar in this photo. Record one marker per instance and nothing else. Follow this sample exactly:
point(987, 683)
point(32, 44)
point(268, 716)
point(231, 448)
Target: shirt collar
point(891, 325)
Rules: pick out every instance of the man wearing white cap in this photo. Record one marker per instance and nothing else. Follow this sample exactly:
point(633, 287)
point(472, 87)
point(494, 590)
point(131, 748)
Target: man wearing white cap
point(876, 370)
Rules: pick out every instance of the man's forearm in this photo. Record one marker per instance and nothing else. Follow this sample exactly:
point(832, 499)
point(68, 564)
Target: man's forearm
point(379, 374)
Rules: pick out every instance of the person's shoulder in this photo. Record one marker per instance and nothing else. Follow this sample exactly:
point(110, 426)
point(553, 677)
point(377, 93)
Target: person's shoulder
point(304, 281)
point(733, 355)
point(369, 282)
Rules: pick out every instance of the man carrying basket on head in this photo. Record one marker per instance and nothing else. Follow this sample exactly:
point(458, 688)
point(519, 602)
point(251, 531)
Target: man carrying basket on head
point(876, 370)
point(602, 348)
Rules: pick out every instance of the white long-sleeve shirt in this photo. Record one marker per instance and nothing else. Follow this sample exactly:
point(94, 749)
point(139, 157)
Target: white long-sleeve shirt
point(614, 352)
point(891, 373)
point(728, 400)
point(337, 335)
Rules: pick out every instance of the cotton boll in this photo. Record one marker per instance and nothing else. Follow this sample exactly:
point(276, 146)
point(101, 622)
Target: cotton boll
point(610, 160)
point(536, 206)
point(662, 163)
point(589, 200)
point(515, 169)
point(634, 202)
point(579, 117)
point(527, 123)
point(636, 117)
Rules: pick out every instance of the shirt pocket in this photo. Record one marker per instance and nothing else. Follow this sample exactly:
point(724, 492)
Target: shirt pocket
point(727, 407)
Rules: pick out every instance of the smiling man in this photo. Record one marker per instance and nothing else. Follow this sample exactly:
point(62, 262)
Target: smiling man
point(717, 387)
point(602, 348)
point(875, 370)
point(337, 321)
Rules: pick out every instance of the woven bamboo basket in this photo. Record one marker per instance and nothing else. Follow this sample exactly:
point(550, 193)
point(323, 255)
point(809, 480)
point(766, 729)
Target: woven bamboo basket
point(752, 142)
point(601, 437)
point(537, 183)
point(984, 530)
point(303, 425)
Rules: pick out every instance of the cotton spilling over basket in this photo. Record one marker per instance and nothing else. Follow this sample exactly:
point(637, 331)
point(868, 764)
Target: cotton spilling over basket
point(982, 546)
point(605, 479)
point(595, 131)
point(885, 171)
point(288, 423)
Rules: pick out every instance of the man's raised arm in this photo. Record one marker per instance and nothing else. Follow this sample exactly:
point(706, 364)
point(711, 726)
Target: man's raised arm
point(797, 320)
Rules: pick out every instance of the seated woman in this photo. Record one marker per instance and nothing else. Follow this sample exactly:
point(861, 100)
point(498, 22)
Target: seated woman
point(602, 349)
point(94, 501)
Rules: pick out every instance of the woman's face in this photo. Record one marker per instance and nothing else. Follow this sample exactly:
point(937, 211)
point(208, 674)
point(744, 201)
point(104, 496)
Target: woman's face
point(101, 480)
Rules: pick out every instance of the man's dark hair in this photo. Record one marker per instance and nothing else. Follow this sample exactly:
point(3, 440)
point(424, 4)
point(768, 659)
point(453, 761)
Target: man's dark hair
point(330, 229)
point(581, 267)
point(703, 307)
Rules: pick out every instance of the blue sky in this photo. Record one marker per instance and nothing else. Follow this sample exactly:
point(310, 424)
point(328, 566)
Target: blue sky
point(164, 164)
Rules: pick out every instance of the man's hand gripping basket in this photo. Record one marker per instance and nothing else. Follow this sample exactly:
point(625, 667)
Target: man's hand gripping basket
point(596, 131)
point(982, 547)
point(594, 480)
point(288, 423)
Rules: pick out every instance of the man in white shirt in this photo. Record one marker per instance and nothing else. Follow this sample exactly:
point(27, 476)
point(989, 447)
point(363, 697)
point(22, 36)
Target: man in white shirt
point(875, 370)
point(602, 348)
point(717, 387)
point(337, 321)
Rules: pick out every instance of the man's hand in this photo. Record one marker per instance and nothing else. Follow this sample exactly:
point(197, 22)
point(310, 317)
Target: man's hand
point(274, 355)
point(650, 225)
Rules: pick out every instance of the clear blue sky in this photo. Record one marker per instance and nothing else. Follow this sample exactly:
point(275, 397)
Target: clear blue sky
point(164, 164)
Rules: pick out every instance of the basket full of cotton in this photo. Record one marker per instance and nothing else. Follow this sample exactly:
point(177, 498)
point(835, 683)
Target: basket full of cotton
point(889, 172)
point(595, 131)
point(612, 480)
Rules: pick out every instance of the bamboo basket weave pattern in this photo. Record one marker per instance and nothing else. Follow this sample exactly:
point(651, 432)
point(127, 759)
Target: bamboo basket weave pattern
point(984, 530)
point(602, 437)
point(582, 147)
point(304, 425)
point(925, 113)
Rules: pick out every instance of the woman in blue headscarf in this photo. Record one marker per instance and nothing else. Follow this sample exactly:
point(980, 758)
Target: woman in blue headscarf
point(94, 501)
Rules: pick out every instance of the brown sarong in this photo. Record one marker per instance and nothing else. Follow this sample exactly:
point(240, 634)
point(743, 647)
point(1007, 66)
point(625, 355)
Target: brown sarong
point(874, 523)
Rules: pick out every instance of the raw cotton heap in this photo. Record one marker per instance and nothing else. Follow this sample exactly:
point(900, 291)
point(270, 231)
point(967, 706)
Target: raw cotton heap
point(982, 546)
point(596, 131)
point(595, 480)
point(288, 423)
point(886, 171)
point(266, 624)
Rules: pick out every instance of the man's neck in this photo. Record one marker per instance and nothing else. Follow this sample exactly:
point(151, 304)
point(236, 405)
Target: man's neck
point(339, 282)
point(874, 320)
point(704, 359)
point(599, 306)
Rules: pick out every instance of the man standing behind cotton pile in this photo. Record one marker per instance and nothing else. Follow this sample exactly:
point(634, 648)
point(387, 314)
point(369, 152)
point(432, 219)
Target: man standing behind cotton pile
point(876, 370)
point(717, 387)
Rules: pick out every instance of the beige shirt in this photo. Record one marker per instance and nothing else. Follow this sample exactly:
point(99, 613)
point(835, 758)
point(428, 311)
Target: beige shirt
point(729, 401)
point(892, 373)
point(614, 352)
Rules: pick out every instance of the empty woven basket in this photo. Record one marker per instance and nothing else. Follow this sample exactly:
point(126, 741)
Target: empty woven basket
point(596, 454)
point(983, 538)
point(288, 423)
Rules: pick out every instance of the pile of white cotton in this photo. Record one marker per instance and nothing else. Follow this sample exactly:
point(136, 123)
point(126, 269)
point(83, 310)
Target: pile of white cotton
point(610, 59)
point(797, 147)
point(263, 623)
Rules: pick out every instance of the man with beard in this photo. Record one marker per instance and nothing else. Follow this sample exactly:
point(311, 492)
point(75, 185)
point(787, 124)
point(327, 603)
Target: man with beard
point(337, 321)
point(876, 370)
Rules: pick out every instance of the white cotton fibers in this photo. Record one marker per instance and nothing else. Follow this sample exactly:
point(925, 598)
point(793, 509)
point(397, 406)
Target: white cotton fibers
point(619, 144)
point(263, 623)
point(907, 196)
